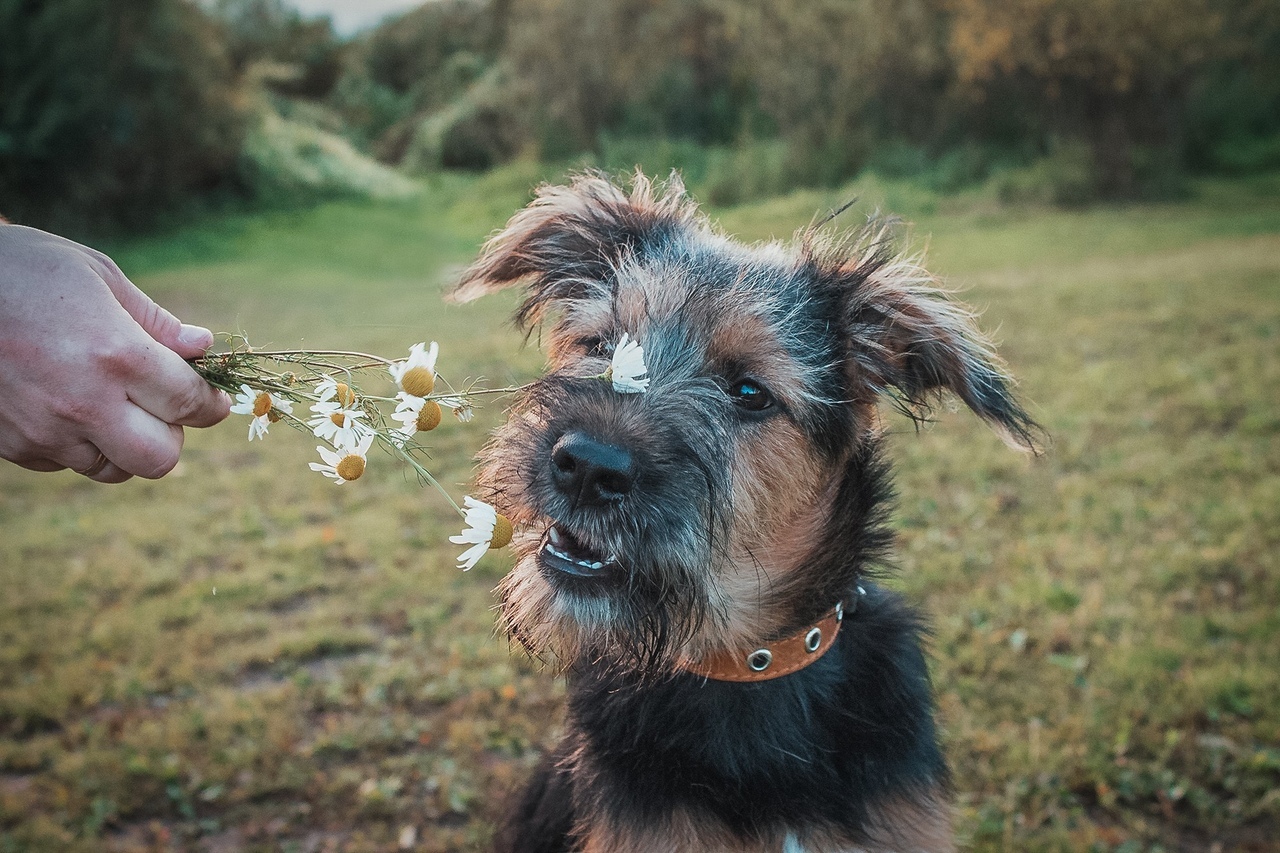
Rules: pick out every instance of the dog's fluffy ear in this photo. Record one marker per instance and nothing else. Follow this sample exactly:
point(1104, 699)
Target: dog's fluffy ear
point(908, 339)
point(568, 241)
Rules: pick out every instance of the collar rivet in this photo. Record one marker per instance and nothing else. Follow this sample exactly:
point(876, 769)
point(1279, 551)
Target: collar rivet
point(759, 660)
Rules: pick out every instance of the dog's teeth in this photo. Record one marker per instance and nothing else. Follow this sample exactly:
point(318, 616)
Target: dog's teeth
point(553, 535)
point(597, 565)
point(555, 552)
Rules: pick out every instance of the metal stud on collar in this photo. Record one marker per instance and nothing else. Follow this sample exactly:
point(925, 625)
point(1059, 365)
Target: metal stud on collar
point(813, 640)
point(759, 660)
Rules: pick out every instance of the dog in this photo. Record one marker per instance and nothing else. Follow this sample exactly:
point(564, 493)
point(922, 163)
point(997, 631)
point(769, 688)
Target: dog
point(698, 558)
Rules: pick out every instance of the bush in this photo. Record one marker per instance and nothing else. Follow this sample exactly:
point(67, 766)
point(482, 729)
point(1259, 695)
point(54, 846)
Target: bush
point(287, 160)
point(746, 172)
point(113, 110)
point(1068, 176)
point(416, 67)
point(655, 155)
point(477, 131)
point(1246, 155)
point(272, 31)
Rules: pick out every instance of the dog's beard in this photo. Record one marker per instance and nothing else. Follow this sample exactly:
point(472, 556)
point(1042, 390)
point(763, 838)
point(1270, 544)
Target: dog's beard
point(640, 622)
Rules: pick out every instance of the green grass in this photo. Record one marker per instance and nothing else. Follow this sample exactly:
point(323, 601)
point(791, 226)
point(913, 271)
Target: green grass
point(242, 656)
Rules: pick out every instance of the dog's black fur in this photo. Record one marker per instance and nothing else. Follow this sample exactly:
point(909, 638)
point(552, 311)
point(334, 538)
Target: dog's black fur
point(818, 747)
point(840, 755)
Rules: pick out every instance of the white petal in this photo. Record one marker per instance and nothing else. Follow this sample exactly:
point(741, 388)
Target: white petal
point(244, 401)
point(468, 558)
point(627, 367)
point(630, 386)
point(328, 470)
point(329, 456)
point(409, 403)
point(258, 427)
point(419, 356)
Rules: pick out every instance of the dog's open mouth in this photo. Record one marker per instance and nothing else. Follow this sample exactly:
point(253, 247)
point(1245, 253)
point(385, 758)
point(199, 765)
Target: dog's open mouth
point(563, 553)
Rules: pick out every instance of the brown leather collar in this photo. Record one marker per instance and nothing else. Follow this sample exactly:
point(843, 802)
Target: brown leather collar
point(779, 658)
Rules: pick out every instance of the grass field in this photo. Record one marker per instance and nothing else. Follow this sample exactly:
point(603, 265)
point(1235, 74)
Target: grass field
point(242, 656)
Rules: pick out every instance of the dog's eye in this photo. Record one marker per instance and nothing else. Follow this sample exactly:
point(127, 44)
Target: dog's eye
point(750, 395)
point(594, 345)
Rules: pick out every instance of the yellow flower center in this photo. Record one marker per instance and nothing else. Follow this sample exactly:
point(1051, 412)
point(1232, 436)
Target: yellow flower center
point(501, 532)
point(275, 416)
point(339, 419)
point(418, 381)
point(346, 397)
point(350, 467)
point(261, 404)
point(429, 416)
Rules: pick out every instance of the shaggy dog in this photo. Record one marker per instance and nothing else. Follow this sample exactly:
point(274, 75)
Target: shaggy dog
point(697, 556)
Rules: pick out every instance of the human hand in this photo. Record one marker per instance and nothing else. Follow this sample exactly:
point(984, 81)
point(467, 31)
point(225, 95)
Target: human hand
point(92, 372)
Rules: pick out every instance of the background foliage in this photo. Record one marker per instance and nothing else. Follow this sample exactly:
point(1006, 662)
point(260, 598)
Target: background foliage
point(112, 112)
point(113, 108)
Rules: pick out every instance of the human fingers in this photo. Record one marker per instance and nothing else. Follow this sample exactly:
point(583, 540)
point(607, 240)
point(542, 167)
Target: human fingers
point(110, 473)
point(186, 340)
point(38, 464)
point(85, 459)
point(158, 378)
point(139, 443)
point(100, 469)
point(162, 383)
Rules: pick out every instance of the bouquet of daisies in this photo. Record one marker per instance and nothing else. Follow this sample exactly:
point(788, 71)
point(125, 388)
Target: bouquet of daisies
point(272, 387)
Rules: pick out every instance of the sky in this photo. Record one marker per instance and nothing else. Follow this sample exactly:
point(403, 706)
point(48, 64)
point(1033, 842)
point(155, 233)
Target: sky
point(350, 16)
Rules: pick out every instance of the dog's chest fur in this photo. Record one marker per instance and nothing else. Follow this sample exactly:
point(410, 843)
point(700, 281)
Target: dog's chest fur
point(840, 756)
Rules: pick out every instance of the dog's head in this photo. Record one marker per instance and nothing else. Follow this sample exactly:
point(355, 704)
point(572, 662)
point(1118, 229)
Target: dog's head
point(740, 493)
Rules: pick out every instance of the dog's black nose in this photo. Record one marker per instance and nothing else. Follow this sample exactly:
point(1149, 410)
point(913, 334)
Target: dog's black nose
point(590, 472)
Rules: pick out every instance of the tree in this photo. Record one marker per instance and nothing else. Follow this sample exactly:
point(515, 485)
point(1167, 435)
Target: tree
point(1116, 72)
point(836, 75)
point(631, 66)
point(112, 109)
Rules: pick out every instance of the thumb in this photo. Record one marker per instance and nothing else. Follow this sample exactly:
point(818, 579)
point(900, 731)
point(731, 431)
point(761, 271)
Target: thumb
point(186, 340)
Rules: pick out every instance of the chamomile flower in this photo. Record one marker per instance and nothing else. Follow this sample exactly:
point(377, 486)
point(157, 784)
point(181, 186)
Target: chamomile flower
point(416, 414)
point(337, 425)
point(486, 528)
point(337, 420)
point(331, 390)
point(461, 407)
point(627, 369)
point(346, 463)
point(416, 375)
point(266, 409)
